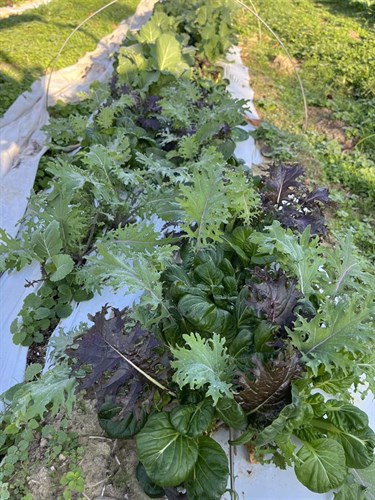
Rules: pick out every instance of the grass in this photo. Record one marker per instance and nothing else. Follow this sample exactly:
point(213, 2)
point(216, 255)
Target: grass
point(10, 3)
point(28, 42)
point(333, 44)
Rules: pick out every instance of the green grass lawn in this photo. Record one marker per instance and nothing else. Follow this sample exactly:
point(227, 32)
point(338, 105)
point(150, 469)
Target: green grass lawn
point(332, 43)
point(28, 42)
point(11, 3)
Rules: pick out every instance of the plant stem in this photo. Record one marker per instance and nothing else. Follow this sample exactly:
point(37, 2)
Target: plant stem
point(151, 379)
point(231, 466)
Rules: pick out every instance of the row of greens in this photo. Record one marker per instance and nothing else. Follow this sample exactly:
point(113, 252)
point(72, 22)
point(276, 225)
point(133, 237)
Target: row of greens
point(247, 317)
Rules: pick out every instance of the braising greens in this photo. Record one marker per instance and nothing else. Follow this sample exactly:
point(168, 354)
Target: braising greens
point(247, 316)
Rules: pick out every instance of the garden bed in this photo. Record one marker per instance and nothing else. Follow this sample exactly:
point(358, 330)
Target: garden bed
point(240, 315)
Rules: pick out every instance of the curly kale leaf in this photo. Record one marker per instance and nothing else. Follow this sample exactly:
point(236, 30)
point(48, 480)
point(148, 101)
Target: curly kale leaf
point(340, 329)
point(302, 256)
point(204, 202)
point(203, 362)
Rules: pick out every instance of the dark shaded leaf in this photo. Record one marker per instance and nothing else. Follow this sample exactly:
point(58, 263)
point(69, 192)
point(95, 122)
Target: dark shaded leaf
point(282, 178)
point(319, 194)
point(315, 220)
point(273, 298)
point(128, 426)
point(149, 487)
point(269, 384)
point(295, 208)
point(209, 477)
point(104, 346)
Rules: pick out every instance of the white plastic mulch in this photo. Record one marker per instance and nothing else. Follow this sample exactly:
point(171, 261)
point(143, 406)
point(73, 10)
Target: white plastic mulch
point(22, 145)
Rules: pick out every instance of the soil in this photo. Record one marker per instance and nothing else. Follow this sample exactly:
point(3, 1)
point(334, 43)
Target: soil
point(108, 465)
point(321, 119)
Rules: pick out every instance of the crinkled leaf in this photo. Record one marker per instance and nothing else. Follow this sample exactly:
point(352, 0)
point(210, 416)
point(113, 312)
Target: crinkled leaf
point(32, 370)
point(205, 205)
point(269, 384)
point(300, 255)
point(12, 252)
point(102, 346)
point(52, 391)
point(167, 456)
point(347, 268)
point(117, 266)
point(139, 237)
point(322, 465)
point(209, 477)
point(193, 419)
point(203, 362)
point(245, 199)
point(339, 328)
point(273, 299)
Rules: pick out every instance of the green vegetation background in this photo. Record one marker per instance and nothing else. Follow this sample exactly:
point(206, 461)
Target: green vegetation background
point(332, 43)
point(29, 42)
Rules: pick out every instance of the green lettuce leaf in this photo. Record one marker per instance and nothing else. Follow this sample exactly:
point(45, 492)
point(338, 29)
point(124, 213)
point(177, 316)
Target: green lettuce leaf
point(64, 265)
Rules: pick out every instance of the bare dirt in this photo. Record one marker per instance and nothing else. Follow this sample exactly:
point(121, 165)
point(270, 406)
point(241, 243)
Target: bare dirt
point(108, 465)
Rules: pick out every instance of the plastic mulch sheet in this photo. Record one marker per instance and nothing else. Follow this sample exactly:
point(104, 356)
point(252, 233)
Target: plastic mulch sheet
point(21, 146)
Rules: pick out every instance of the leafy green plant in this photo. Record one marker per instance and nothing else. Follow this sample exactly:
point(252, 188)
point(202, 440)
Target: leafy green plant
point(72, 482)
point(209, 27)
point(246, 312)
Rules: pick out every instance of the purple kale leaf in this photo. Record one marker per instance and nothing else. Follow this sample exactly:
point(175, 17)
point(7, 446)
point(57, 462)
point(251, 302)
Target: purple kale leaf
point(266, 388)
point(282, 178)
point(299, 218)
point(319, 194)
point(273, 298)
point(106, 345)
point(295, 208)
